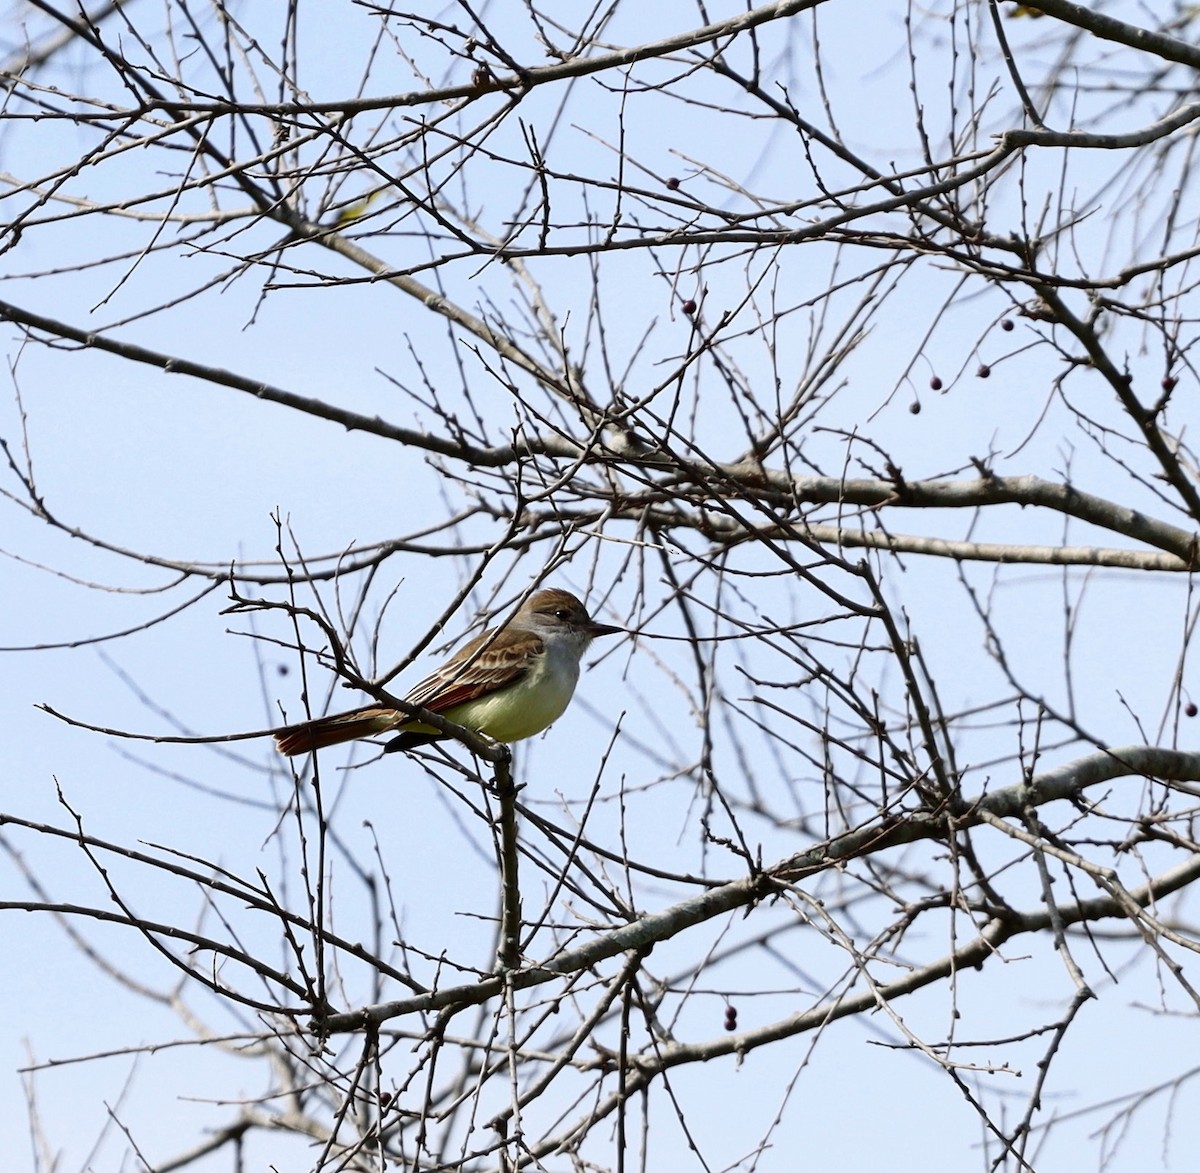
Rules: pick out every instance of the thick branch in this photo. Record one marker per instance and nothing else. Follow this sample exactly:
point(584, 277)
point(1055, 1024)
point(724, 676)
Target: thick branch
point(1111, 29)
point(746, 478)
point(968, 956)
point(886, 832)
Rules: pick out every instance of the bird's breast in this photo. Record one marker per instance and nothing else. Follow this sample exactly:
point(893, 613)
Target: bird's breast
point(526, 707)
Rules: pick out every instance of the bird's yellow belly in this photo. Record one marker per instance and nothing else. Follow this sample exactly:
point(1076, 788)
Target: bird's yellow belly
point(523, 709)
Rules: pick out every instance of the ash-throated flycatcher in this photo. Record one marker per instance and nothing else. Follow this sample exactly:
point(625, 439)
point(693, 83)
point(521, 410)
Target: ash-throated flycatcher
point(510, 683)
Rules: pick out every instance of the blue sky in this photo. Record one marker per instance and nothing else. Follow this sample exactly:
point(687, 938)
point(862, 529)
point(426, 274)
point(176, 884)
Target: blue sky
point(167, 464)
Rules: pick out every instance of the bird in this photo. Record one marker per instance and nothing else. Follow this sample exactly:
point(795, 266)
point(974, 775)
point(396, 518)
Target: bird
point(509, 683)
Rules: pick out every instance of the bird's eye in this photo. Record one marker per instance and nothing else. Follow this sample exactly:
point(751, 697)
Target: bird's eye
point(562, 613)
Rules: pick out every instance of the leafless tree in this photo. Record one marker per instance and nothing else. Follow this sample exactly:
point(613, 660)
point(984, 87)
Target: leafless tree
point(843, 354)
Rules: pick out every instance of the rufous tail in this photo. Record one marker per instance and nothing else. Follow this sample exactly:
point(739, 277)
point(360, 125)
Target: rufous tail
point(324, 731)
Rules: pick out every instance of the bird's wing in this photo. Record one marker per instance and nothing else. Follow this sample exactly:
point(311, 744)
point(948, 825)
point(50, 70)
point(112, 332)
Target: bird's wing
point(452, 684)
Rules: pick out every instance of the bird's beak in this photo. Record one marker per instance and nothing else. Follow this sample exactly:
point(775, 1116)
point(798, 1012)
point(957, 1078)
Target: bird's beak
point(595, 628)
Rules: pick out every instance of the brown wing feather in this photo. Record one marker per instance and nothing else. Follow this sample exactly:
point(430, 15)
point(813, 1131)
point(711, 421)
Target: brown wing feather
point(459, 680)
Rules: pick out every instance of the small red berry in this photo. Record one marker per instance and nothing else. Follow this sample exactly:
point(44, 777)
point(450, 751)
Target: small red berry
point(984, 371)
point(1005, 324)
point(1190, 708)
point(1169, 382)
point(935, 384)
point(914, 408)
point(689, 306)
point(673, 183)
point(385, 1098)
